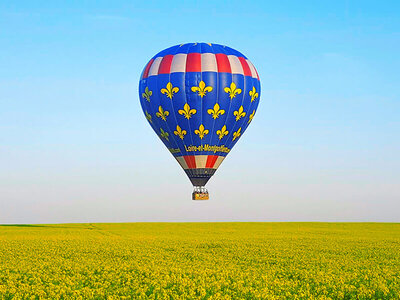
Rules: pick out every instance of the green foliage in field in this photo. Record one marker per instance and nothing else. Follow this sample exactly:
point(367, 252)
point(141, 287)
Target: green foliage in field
point(200, 261)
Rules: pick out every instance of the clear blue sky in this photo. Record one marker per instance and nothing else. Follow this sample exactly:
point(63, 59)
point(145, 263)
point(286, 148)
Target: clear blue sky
point(75, 147)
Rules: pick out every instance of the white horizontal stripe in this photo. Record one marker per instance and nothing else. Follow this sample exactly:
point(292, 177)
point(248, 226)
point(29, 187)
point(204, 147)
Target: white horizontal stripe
point(179, 63)
point(236, 66)
point(155, 66)
point(208, 62)
point(252, 69)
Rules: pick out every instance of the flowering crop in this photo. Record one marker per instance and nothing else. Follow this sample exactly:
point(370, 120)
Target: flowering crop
point(200, 261)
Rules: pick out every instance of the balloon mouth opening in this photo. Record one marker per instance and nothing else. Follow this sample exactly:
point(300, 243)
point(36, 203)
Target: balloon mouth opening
point(200, 193)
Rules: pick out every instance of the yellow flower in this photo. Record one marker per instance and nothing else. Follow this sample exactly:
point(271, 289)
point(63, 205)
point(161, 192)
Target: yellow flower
point(169, 90)
point(162, 114)
point(253, 94)
point(179, 132)
point(147, 94)
point(232, 90)
point(201, 132)
point(186, 111)
point(148, 117)
point(239, 113)
point(216, 111)
point(164, 134)
point(251, 116)
point(236, 134)
point(202, 89)
point(221, 133)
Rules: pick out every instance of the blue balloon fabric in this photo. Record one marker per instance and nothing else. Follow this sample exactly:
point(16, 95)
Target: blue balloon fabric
point(199, 98)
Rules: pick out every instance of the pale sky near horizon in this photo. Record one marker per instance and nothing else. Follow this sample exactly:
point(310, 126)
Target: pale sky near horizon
point(323, 146)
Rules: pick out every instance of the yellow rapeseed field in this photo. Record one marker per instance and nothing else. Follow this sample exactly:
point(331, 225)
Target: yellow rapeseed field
point(200, 261)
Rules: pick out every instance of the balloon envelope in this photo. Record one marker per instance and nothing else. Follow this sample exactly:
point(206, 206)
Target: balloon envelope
point(199, 98)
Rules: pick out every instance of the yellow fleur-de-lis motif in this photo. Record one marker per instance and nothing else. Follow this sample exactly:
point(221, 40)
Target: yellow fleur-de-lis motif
point(169, 90)
point(251, 116)
point(148, 117)
point(201, 132)
point(186, 111)
point(232, 90)
point(202, 89)
point(239, 113)
point(147, 94)
point(164, 134)
point(163, 114)
point(221, 133)
point(253, 94)
point(236, 134)
point(179, 132)
point(216, 111)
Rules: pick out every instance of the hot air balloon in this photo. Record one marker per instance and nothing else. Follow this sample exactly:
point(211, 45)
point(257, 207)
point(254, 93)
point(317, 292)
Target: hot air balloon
point(199, 98)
